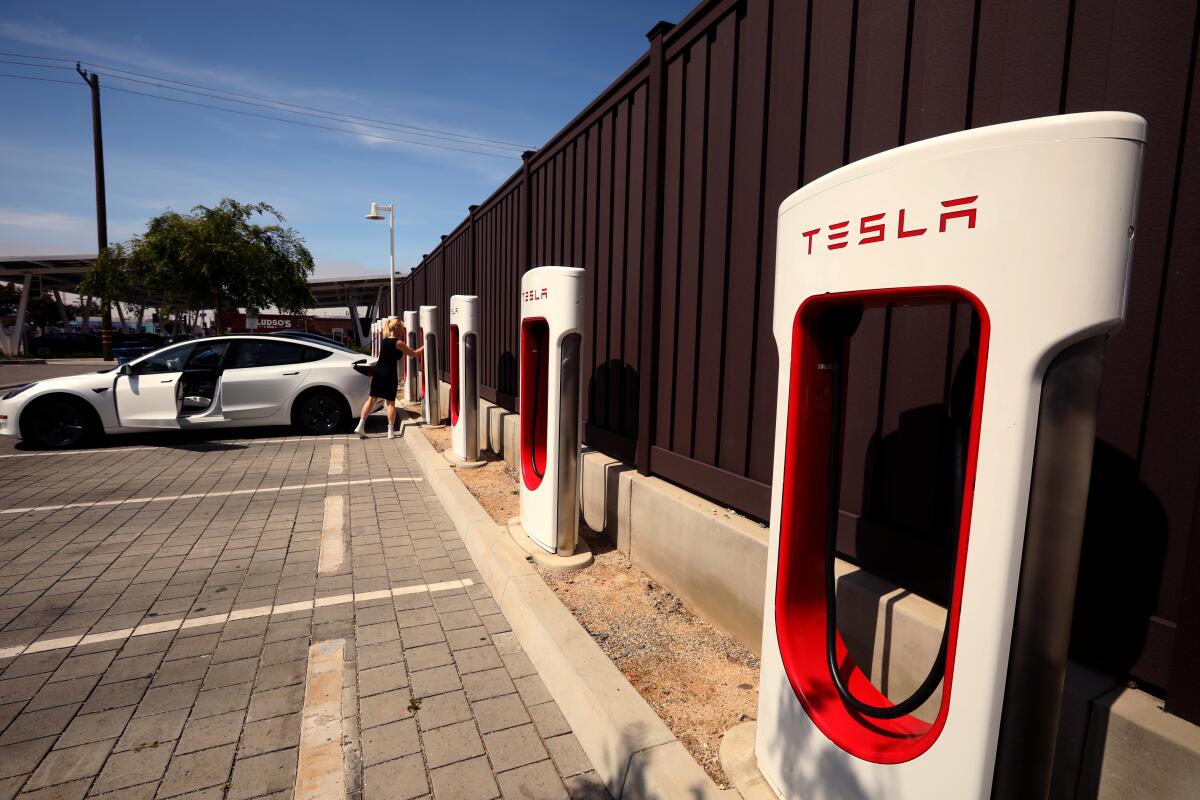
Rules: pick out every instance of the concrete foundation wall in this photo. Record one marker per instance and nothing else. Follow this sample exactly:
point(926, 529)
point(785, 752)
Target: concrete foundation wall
point(1112, 742)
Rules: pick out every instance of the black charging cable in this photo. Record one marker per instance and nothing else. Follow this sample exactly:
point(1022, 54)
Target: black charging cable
point(938, 670)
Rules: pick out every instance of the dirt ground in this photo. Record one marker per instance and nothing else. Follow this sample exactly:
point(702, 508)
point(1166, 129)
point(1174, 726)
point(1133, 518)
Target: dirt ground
point(494, 484)
point(698, 680)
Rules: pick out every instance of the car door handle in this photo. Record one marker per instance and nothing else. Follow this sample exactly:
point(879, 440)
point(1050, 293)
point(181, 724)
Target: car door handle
point(292, 373)
point(168, 380)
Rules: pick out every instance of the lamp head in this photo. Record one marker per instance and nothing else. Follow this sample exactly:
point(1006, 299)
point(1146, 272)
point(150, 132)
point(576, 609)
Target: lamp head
point(374, 212)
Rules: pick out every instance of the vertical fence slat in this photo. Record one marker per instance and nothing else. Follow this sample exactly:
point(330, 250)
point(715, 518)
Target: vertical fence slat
point(652, 248)
point(627, 423)
point(670, 261)
point(785, 141)
point(610, 372)
point(829, 63)
point(745, 264)
point(692, 225)
point(714, 233)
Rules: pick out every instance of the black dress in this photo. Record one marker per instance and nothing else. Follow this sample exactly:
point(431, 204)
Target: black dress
point(385, 379)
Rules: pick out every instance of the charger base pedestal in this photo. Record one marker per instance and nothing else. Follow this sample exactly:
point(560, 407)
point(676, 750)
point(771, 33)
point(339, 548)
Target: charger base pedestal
point(550, 561)
point(454, 461)
point(741, 765)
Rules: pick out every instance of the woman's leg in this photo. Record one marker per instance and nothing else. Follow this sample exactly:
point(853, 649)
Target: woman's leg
point(361, 430)
point(391, 417)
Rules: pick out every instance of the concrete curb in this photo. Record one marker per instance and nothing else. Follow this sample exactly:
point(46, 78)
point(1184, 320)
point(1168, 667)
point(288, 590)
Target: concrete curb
point(633, 750)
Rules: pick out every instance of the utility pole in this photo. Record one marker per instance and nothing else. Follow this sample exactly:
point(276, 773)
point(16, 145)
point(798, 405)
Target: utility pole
point(93, 82)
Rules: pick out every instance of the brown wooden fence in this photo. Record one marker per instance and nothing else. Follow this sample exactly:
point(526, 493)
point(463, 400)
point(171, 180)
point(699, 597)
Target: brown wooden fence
point(666, 188)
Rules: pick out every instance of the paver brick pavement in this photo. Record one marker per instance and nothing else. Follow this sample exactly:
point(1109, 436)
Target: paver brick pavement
point(437, 695)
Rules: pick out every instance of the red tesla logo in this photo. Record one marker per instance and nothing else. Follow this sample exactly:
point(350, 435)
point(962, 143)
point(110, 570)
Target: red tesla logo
point(530, 295)
point(874, 227)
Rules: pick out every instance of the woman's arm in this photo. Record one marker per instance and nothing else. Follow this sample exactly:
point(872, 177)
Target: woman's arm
point(408, 351)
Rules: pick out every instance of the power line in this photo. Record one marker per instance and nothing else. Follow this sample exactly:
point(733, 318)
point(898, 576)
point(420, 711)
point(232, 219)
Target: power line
point(476, 139)
point(27, 64)
point(35, 78)
point(450, 138)
point(276, 119)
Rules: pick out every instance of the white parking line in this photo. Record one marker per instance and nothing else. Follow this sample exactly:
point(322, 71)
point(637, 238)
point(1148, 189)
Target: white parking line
point(183, 623)
point(337, 458)
point(175, 446)
point(169, 498)
point(77, 452)
point(333, 549)
point(320, 772)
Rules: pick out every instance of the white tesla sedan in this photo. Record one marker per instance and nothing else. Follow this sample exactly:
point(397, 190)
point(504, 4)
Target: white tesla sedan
point(215, 382)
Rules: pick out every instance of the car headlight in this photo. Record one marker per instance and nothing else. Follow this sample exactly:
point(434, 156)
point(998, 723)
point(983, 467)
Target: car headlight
point(16, 390)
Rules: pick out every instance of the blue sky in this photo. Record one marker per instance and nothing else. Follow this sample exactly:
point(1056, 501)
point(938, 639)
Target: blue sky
point(513, 71)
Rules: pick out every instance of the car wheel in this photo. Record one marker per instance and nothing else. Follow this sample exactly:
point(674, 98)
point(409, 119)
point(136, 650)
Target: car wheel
point(320, 412)
point(43, 352)
point(58, 423)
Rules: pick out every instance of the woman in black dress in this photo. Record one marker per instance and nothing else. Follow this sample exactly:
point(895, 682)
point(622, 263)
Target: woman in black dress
point(385, 378)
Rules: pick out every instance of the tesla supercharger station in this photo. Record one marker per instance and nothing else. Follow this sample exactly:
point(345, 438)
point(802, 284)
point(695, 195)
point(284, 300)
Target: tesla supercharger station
point(464, 380)
point(430, 409)
point(411, 365)
point(376, 337)
point(1030, 226)
point(551, 340)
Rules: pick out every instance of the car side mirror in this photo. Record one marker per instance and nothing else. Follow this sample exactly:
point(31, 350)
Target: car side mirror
point(124, 369)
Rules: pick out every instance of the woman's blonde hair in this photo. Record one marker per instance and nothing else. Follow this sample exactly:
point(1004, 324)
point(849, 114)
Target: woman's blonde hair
point(391, 327)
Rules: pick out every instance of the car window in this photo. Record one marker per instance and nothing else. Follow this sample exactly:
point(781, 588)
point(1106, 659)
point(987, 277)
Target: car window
point(169, 360)
point(260, 353)
point(207, 355)
point(315, 354)
point(325, 340)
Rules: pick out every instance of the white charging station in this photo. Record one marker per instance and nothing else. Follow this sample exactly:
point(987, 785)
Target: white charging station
point(376, 337)
point(551, 343)
point(412, 369)
point(1031, 224)
point(464, 381)
point(431, 411)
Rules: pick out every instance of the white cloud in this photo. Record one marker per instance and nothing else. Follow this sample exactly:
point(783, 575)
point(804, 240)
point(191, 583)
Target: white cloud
point(56, 221)
point(25, 231)
point(130, 54)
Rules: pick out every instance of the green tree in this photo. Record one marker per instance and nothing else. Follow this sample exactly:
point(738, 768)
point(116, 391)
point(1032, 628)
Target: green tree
point(109, 278)
point(221, 258)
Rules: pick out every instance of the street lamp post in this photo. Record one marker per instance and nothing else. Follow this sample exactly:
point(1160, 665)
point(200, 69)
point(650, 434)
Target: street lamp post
point(391, 218)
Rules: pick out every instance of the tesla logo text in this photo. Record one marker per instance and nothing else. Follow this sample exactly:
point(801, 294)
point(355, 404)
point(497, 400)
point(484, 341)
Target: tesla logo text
point(874, 227)
point(534, 294)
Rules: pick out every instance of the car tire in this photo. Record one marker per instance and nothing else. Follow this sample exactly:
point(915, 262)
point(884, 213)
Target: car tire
point(43, 352)
point(320, 412)
point(59, 423)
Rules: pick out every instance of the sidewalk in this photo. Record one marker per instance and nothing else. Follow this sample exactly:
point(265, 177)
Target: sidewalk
point(314, 609)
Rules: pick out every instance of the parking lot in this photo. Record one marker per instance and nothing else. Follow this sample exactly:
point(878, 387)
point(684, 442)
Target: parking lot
point(257, 614)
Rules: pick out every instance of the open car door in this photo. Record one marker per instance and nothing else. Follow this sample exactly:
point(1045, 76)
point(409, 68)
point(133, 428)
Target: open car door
point(201, 377)
point(147, 395)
